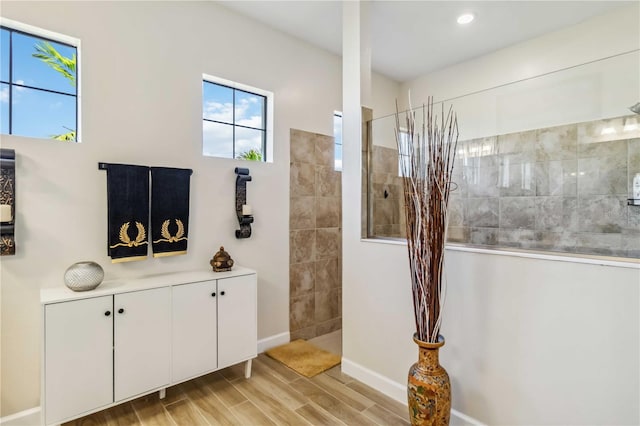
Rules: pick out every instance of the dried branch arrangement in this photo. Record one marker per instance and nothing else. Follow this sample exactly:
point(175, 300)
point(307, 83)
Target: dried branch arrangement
point(428, 153)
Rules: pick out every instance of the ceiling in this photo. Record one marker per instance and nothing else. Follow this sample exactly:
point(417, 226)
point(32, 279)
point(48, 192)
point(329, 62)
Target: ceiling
point(423, 36)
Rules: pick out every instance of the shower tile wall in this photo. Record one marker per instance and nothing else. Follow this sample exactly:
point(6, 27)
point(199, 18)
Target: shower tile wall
point(561, 189)
point(315, 218)
point(386, 194)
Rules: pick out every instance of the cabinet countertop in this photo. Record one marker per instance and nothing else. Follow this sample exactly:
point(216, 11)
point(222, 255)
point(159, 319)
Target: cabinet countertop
point(125, 285)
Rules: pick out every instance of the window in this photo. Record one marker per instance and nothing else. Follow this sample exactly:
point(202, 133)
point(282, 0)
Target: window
point(38, 83)
point(236, 120)
point(404, 161)
point(337, 135)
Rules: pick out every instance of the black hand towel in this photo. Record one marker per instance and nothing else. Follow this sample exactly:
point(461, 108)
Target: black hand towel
point(169, 210)
point(128, 206)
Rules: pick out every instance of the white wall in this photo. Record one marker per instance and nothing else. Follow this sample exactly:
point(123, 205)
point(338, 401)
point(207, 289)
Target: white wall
point(599, 89)
point(141, 84)
point(384, 94)
point(542, 342)
point(596, 38)
point(529, 341)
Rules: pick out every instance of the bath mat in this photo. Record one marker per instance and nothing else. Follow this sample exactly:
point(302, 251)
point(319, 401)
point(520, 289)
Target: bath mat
point(304, 358)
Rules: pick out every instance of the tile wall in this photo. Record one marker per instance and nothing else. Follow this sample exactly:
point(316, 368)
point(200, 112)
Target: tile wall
point(315, 235)
point(386, 194)
point(560, 189)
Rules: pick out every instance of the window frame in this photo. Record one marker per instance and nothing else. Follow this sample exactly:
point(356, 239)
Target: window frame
point(267, 154)
point(47, 35)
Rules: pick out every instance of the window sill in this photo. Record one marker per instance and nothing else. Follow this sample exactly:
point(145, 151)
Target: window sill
point(619, 262)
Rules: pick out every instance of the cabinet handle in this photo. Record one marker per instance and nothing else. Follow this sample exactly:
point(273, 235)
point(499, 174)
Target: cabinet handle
point(106, 314)
point(121, 311)
point(222, 293)
point(213, 294)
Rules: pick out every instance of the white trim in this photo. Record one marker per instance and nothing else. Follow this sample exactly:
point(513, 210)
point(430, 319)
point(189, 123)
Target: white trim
point(385, 240)
point(20, 418)
point(468, 420)
point(590, 260)
point(273, 341)
point(40, 32)
point(235, 85)
point(377, 381)
point(269, 113)
point(619, 262)
point(392, 389)
point(62, 38)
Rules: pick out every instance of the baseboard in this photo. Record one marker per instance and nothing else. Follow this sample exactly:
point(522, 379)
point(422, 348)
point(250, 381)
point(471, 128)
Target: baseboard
point(28, 417)
point(458, 418)
point(395, 390)
point(273, 341)
point(377, 381)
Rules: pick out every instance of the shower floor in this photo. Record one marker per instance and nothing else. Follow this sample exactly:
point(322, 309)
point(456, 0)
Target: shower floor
point(331, 342)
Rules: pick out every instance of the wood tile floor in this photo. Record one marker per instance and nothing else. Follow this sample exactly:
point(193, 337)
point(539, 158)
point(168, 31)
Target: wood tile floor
point(274, 395)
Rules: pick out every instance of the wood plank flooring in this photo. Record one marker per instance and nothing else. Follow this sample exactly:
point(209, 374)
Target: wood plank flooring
point(274, 395)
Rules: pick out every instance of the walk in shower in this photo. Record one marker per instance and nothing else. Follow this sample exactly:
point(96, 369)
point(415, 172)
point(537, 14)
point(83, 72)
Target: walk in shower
point(543, 164)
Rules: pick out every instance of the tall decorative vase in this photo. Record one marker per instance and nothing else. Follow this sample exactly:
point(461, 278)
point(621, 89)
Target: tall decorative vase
point(428, 388)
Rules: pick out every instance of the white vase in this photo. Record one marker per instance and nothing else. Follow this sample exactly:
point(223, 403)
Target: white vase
point(83, 276)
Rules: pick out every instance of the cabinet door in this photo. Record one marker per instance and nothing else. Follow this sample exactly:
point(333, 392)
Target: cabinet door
point(237, 320)
point(78, 357)
point(194, 347)
point(141, 341)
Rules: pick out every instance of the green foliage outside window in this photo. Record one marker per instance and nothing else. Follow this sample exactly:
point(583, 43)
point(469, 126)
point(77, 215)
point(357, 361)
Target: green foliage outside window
point(65, 66)
point(251, 155)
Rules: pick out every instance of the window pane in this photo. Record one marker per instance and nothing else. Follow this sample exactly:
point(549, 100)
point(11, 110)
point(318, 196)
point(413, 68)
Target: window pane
point(35, 72)
point(337, 135)
point(404, 159)
point(338, 158)
point(247, 140)
point(217, 139)
point(4, 55)
point(249, 110)
point(217, 102)
point(42, 114)
point(4, 108)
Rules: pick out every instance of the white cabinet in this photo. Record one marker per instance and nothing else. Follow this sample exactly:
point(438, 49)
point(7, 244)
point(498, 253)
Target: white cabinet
point(142, 341)
point(78, 356)
point(237, 320)
point(105, 349)
point(195, 341)
point(131, 337)
point(214, 325)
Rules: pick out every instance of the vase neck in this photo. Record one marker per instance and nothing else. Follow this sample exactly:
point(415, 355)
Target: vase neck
point(429, 358)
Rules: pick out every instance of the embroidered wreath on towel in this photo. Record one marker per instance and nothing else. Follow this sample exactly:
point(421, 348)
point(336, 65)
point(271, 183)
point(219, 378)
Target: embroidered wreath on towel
point(168, 238)
point(126, 241)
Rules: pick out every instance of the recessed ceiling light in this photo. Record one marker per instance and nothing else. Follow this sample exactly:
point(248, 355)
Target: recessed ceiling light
point(465, 18)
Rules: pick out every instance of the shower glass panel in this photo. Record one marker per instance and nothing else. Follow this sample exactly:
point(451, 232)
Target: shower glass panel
point(544, 164)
